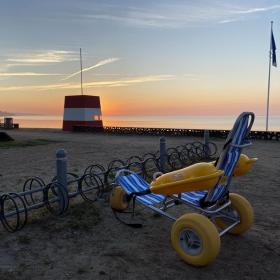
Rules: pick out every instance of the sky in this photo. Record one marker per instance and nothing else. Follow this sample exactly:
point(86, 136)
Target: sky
point(148, 57)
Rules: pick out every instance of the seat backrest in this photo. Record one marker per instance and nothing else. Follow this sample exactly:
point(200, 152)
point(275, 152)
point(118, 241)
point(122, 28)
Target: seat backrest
point(235, 142)
point(131, 181)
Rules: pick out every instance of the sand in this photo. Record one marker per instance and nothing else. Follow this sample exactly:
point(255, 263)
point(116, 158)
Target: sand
point(89, 243)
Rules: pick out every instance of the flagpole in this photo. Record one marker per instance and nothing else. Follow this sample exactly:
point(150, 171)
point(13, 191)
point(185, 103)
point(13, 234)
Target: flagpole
point(81, 71)
point(268, 88)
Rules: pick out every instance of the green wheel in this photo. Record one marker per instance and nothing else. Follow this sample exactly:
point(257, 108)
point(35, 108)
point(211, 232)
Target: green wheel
point(196, 239)
point(240, 208)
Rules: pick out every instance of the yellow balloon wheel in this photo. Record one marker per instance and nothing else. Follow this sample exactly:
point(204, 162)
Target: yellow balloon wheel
point(240, 208)
point(118, 199)
point(196, 239)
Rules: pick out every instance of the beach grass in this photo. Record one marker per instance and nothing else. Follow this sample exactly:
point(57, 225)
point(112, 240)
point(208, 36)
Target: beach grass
point(27, 143)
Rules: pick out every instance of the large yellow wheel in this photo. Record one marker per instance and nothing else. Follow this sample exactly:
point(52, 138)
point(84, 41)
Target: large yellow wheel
point(196, 239)
point(240, 208)
point(118, 199)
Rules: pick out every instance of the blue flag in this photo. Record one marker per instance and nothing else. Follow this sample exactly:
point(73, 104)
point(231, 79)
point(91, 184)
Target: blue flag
point(273, 50)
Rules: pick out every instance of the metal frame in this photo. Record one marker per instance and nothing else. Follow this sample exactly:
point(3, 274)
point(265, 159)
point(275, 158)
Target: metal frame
point(209, 212)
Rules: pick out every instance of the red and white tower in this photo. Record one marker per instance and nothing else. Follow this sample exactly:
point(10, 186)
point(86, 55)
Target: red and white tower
point(82, 110)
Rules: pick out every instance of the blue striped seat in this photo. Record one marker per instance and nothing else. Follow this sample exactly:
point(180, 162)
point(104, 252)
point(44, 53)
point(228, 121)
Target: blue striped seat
point(227, 162)
point(193, 197)
point(135, 183)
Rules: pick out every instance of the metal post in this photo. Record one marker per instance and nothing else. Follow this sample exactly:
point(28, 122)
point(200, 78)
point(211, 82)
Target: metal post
point(206, 137)
point(61, 168)
point(81, 64)
point(61, 175)
point(269, 70)
point(162, 153)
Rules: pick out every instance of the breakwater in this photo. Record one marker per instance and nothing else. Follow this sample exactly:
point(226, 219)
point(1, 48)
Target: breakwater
point(213, 133)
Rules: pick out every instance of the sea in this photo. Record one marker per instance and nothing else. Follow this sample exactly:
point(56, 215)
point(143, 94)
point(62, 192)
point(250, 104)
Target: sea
point(190, 122)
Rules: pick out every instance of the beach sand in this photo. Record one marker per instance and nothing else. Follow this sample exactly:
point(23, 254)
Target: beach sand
point(89, 243)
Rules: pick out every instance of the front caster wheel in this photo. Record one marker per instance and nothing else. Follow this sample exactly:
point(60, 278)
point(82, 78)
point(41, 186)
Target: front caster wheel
point(118, 199)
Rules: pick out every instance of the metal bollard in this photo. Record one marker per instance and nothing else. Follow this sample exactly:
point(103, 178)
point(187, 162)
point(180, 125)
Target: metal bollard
point(61, 167)
point(162, 154)
point(61, 175)
point(206, 137)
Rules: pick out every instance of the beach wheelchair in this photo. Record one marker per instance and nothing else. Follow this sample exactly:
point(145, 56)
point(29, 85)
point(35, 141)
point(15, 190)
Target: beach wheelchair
point(203, 186)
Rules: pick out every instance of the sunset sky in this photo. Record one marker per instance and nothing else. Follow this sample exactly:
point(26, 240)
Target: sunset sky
point(146, 57)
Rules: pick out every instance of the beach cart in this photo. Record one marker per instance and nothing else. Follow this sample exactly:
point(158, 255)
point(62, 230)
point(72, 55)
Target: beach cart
point(203, 186)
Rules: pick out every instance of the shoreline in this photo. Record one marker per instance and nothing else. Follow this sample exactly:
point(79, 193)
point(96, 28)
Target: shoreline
point(166, 121)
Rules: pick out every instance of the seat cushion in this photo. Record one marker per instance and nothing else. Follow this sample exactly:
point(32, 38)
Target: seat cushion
point(193, 197)
point(135, 183)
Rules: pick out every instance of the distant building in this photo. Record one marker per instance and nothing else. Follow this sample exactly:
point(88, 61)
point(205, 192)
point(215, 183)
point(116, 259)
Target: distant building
point(82, 110)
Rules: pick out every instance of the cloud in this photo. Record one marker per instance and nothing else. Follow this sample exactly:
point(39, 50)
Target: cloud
point(256, 10)
point(26, 74)
point(42, 57)
point(138, 19)
point(175, 14)
point(228, 20)
point(157, 14)
point(4, 113)
point(165, 14)
point(191, 77)
point(98, 64)
point(100, 84)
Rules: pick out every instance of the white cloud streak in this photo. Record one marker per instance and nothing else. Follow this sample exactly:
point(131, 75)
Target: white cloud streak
point(176, 14)
point(42, 58)
point(228, 21)
point(257, 10)
point(191, 77)
point(99, 64)
point(158, 14)
point(100, 84)
point(27, 74)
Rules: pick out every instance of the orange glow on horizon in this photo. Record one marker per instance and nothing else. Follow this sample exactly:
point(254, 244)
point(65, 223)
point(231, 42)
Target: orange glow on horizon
point(147, 100)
